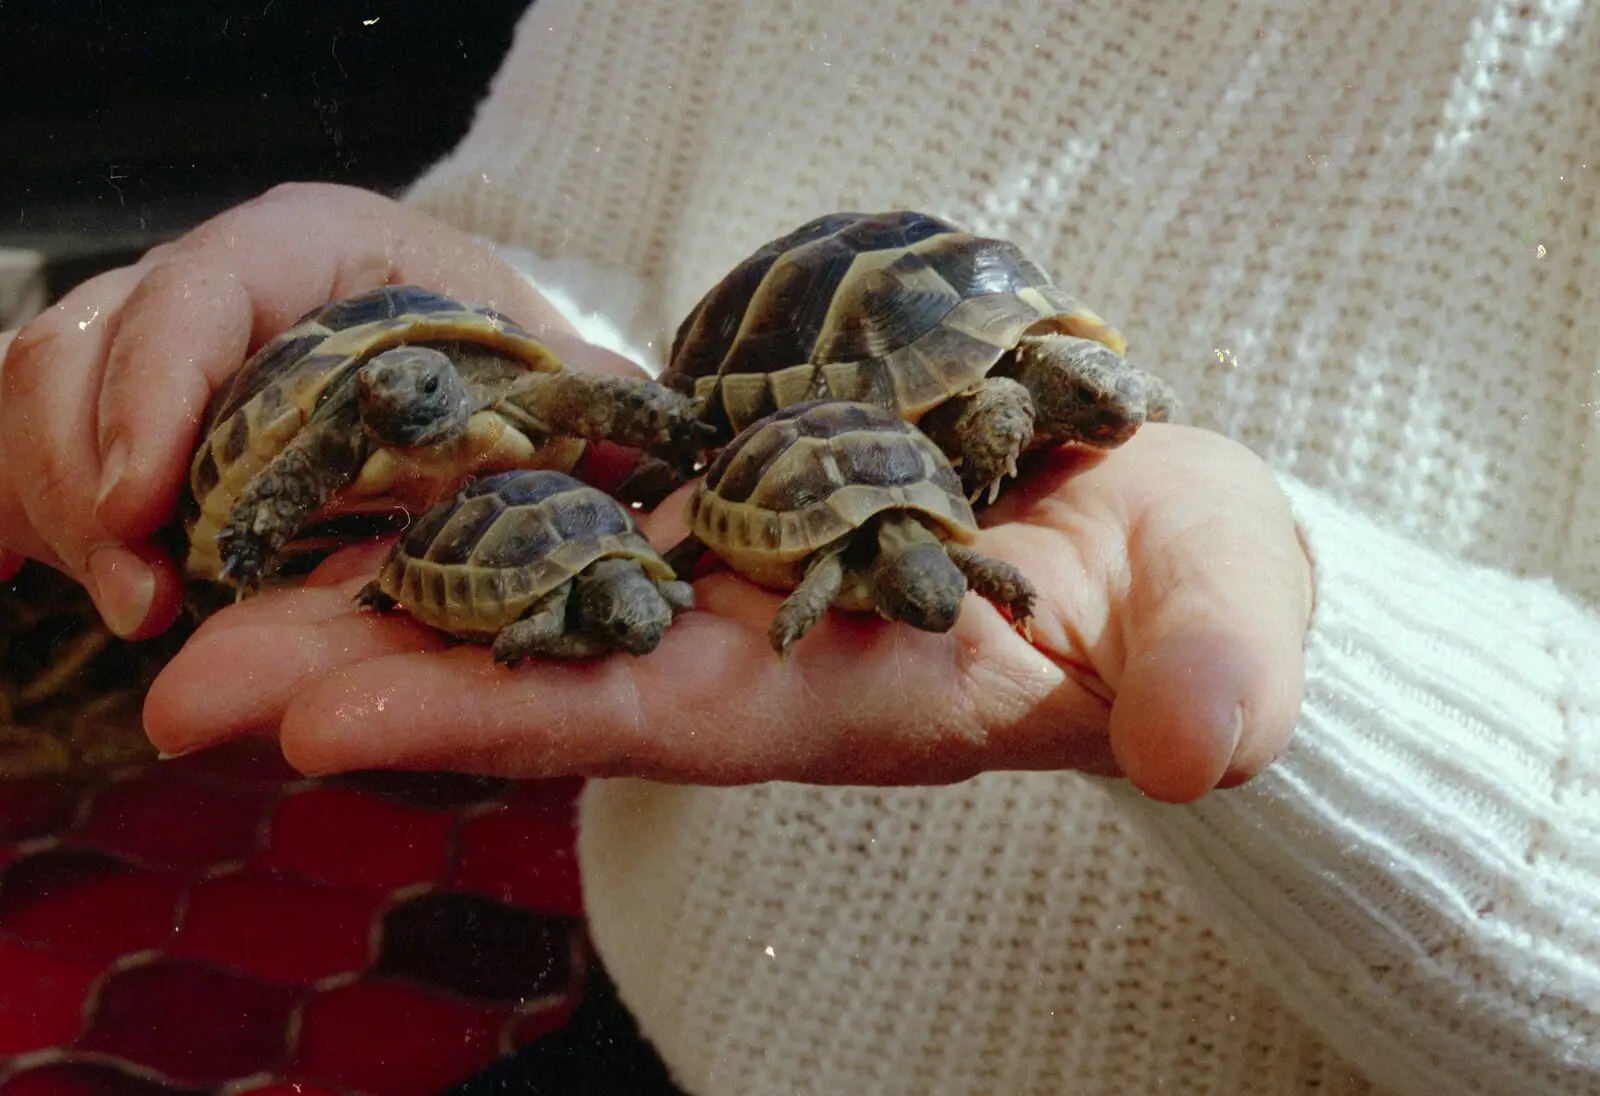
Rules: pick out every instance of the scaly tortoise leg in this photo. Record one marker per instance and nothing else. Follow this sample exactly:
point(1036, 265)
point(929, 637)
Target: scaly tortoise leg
point(315, 465)
point(372, 597)
point(629, 411)
point(983, 431)
point(996, 581)
point(802, 609)
point(543, 631)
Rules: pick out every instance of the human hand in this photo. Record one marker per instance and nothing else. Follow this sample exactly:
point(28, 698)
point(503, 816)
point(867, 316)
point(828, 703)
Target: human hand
point(1174, 596)
point(101, 397)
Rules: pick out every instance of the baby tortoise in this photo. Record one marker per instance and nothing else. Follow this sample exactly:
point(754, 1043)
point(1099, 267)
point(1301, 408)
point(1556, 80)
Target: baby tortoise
point(848, 506)
point(961, 334)
point(400, 393)
point(536, 562)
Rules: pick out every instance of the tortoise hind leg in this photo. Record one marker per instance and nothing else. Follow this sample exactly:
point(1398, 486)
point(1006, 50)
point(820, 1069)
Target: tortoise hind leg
point(277, 502)
point(543, 632)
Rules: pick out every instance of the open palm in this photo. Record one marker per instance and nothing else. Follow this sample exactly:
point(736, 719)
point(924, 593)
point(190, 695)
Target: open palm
point(1167, 647)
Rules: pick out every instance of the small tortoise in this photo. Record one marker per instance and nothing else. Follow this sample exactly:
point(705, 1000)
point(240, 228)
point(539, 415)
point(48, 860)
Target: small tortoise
point(961, 334)
point(399, 394)
point(538, 563)
point(848, 506)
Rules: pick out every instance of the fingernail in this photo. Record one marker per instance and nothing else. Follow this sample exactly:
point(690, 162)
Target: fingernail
point(123, 588)
point(111, 469)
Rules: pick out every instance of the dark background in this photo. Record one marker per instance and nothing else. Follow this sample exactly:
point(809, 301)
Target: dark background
point(123, 124)
point(126, 122)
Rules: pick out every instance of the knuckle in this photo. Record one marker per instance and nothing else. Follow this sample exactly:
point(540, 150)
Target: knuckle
point(26, 367)
point(164, 277)
point(50, 497)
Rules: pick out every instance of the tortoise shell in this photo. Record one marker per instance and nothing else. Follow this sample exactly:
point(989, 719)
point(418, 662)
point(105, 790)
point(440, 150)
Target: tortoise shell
point(901, 309)
point(816, 471)
point(478, 561)
point(265, 404)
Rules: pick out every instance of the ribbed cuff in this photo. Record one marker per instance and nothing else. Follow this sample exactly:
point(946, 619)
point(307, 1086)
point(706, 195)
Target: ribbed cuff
point(1419, 876)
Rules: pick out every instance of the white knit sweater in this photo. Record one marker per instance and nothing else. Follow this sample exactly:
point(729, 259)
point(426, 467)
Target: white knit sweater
point(1359, 239)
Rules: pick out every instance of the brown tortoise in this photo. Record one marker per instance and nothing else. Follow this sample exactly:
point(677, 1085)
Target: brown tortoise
point(959, 333)
point(398, 394)
point(536, 563)
point(849, 506)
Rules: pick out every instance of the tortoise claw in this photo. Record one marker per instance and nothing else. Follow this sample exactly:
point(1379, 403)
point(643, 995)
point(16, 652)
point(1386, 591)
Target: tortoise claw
point(241, 560)
point(996, 485)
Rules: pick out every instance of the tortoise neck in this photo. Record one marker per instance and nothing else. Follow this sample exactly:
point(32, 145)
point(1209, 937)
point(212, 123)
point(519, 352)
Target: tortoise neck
point(900, 530)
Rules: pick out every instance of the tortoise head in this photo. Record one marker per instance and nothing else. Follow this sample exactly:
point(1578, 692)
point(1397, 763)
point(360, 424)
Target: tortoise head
point(619, 603)
point(1082, 390)
point(913, 578)
point(412, 396)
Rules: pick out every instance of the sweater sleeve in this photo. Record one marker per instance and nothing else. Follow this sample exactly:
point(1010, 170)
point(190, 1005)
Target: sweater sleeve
point(1418, 877)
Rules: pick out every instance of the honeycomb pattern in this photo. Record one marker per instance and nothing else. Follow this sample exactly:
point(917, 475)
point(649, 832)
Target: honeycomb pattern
point(218, 923)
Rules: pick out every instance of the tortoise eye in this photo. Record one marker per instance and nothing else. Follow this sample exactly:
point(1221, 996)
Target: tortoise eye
point(431, 385)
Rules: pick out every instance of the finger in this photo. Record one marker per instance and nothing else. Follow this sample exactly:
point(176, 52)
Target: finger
point(229, 286)
point(46, 375)
point(184, 710)
point(358, 561)
point(1215, 626)
point(859, 701)
point(47, 386)
point(21, 542)
point(13, 522)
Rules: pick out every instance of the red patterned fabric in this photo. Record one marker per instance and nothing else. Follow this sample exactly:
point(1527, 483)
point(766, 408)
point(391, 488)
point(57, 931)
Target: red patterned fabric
point(218, 921)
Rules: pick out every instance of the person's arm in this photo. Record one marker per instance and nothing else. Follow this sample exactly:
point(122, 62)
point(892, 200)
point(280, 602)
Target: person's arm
point(1418, 877)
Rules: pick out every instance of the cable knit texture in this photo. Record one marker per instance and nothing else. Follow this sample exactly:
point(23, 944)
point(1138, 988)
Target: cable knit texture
point(1358, 239)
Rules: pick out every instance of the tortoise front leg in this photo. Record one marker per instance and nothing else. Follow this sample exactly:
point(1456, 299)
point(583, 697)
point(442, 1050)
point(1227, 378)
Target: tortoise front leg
point(983, 431)
point(679, 596)
point(628, 411)
point(274, 506)
point(996, 581)
point(802, 609)
point(543, 631)
point(371, 596)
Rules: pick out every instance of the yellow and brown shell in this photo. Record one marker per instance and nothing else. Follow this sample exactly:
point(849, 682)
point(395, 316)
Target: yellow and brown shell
point(478, 561)
point(270, 399)
point(814, 472)
point(901, 309)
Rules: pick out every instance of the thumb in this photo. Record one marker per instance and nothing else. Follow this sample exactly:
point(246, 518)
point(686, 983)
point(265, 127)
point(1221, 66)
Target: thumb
point(1216, 621)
